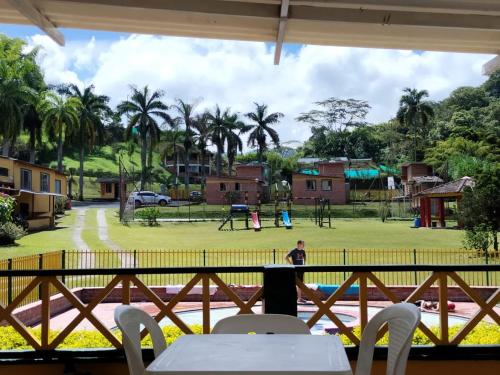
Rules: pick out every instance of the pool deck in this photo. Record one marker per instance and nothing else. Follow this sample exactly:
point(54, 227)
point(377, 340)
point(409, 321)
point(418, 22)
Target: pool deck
point(105, 311)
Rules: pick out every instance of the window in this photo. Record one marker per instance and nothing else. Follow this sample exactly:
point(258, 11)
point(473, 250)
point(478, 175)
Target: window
point(310, 184)
point(109, 188)
point(237, 186)
point(4, 172)
point(58, 187)
point(326, 185)
point(222, 186)
point(45, 182)
point(25, 179)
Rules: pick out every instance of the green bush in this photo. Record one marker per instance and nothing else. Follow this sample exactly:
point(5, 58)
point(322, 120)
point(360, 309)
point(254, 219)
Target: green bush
point(12, 340)
point(10, 232)
point(7, 204)
point(482, 334)
point(150, 214)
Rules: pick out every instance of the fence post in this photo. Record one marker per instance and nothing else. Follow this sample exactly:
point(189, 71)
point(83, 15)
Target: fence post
point(135, 258)
point(40, 267)
point(204, 258)
point(415, 263)
point(487, 272)
point(9, 282)
point(274, 256)
point(280, 292)
point(63, 265)
point(345, 256)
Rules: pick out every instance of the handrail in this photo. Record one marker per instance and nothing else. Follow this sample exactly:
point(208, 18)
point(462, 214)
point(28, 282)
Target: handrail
point(234, 269)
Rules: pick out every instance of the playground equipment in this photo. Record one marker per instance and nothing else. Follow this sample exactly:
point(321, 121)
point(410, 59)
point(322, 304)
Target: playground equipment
point(283, 205)
point(322, 212)
point(286, 220)
point(244, 210)
point(237, 210)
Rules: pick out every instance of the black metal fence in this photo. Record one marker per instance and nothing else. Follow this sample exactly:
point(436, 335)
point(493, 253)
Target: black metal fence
point(9, 288)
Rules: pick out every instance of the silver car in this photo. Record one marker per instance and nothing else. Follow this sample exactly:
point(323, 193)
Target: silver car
point(149, 198)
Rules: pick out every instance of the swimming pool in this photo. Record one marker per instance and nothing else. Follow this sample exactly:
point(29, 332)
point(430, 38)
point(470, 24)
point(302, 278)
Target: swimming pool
point(348, 316)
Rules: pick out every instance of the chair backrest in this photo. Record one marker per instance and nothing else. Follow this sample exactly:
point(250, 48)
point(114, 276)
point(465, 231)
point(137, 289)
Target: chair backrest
point(130, 319)
point(261, 324)
point(402, 320)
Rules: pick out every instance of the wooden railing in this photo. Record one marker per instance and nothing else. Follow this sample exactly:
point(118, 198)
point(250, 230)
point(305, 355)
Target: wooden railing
point(205, 276)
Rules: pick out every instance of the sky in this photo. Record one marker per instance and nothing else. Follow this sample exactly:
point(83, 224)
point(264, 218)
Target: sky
point(236, 74)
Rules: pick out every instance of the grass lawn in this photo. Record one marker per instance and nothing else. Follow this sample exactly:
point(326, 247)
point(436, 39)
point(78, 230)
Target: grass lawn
point(345, 233)
point(45, 241)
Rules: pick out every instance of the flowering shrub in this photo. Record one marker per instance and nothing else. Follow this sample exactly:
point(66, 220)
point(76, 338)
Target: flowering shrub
point(482, 334)
point(7, 205)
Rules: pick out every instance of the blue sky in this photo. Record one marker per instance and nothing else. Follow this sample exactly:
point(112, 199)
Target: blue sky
point(236, 74)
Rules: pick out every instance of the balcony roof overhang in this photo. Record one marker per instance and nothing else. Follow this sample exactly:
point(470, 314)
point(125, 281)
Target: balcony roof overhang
point(440, 25)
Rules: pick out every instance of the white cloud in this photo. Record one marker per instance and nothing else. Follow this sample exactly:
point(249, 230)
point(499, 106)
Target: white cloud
point(235, 74)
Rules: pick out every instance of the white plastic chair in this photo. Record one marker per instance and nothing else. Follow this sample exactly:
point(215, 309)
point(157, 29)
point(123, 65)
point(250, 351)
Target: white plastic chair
point(129, 319)
point(261, 324)
point(402, 319)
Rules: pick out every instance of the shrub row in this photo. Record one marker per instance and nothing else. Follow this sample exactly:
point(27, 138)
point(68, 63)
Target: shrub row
point(10, 339)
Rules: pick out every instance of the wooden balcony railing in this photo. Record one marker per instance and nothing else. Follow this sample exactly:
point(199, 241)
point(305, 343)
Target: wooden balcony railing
point(206, 276)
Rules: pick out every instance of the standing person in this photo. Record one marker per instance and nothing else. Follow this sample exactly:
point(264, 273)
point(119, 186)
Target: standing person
point(297, 257)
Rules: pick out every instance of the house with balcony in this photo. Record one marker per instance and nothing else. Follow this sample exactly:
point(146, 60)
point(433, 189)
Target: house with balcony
point(198, 166)
point(325, 181)
point(35, 189)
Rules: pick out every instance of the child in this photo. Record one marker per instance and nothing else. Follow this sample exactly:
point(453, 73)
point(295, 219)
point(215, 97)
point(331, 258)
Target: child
point(297, 257)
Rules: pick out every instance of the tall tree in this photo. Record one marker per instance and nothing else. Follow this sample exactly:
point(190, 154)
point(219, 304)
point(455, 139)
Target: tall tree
point(201, 138)
point(414, 113)
point(235, 128)
point(60, 118)
point(261, 128)
point(218, 134)
point(186, 113)
point(144, 108)
point(332, 123)
point(15, 96)
point(92, 112)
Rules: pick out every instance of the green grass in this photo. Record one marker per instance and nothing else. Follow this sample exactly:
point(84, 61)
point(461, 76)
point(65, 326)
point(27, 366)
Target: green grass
point(45, 241)
point(345, 233)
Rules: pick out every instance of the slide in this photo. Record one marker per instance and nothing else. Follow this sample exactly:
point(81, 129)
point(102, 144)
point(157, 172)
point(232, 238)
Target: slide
point(286, 220)
point(255, 220)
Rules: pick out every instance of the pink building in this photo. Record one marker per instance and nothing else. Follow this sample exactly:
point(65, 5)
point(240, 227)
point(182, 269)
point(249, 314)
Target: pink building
point(327, 182)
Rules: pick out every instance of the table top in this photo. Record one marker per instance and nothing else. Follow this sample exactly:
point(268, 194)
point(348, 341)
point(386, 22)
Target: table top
point(253, 354)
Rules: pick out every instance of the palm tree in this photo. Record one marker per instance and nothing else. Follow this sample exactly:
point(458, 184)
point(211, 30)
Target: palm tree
point(218, 133)
point(262, 128)
point(201, 138)
point(186, 112)
point(59, 117)
point(15, 96)
point(94, 108)
point(235, 128)
point(414, 112)
point(30, 73)
point(144, 108)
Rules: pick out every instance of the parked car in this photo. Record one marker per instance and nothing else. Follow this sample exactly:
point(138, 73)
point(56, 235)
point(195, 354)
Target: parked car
point(195, 196)
point(149, 198)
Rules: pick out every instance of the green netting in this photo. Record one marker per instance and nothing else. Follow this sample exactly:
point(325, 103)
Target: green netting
point(361, 174)
point(312, 172)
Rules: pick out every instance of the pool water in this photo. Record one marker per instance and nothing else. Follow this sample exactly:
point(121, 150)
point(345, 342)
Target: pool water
point(195, 317)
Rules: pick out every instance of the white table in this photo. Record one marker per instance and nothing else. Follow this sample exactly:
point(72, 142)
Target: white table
point(252, 354)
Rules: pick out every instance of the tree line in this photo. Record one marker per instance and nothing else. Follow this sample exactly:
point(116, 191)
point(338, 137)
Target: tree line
point(75, 117)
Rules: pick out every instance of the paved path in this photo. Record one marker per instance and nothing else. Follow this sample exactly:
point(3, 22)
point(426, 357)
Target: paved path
point(87, 261)
point(126, 259)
